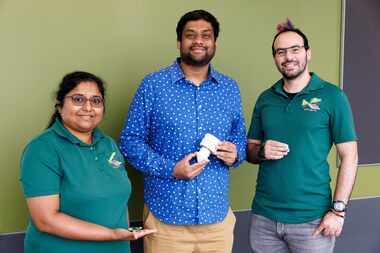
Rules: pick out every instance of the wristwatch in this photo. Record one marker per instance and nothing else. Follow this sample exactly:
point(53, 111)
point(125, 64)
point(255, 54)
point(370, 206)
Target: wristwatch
point(339, 206)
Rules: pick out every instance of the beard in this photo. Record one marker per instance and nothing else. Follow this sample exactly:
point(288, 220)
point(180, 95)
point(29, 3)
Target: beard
point(292, 76)
point(188, 58)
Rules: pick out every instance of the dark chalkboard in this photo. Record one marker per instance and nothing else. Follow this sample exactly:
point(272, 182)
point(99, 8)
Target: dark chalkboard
point(361, 72)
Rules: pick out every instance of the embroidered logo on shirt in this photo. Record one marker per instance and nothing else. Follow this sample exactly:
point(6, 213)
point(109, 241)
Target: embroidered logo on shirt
point(113, 162)
point(312, 106)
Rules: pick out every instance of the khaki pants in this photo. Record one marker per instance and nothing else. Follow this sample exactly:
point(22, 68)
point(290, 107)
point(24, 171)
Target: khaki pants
point(210, 238)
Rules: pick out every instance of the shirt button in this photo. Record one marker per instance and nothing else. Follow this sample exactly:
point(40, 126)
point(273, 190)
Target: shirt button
point(96, 158)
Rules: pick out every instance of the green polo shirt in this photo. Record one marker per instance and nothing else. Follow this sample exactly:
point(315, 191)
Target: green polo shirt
point(91, 181)
point(296, 188)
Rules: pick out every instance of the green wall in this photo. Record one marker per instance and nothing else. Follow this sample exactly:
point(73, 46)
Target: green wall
point(121, 41)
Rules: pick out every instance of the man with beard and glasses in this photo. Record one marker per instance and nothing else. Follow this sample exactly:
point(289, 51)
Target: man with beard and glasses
point(186, 200)
point(294, 124)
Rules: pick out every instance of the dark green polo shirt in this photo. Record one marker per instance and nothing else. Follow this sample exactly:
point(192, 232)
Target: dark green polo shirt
point(296, 188)
point(91, 181)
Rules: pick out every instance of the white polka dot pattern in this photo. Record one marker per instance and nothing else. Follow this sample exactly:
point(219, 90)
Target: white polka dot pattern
point(167, 120)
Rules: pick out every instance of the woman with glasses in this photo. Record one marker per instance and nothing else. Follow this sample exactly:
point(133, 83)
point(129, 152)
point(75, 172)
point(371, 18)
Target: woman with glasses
point(74, 179)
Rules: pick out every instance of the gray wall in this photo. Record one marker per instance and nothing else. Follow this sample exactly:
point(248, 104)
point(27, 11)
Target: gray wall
point(360, 234)
point(361, 73)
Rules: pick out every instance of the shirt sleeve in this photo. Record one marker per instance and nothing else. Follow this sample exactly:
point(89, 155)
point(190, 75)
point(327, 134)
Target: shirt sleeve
point(40, 171)
point(134, 138)
point(342, 122)
point(238, 131)
point(255, 130)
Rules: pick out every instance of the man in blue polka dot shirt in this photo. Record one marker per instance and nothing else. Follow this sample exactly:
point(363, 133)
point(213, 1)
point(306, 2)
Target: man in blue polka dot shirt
point(172, 110)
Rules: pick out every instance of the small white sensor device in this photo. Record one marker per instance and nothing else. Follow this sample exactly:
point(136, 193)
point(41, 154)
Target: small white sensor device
point(208, 146)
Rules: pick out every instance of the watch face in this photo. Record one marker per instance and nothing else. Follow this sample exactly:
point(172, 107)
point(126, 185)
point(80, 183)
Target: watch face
point(339, 206)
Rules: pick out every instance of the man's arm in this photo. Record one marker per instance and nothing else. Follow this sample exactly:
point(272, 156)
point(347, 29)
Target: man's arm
point(271, 150)
point(233, 151)
point(134, 143)
point(253, 148)
point(332, 224)
point(348, 154)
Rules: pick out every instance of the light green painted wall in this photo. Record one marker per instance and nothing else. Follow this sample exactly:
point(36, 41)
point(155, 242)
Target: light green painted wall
point(122, 41)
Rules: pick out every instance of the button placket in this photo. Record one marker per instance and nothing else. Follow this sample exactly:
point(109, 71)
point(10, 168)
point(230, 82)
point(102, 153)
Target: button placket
point(290, 104)
point(198, 108)
point(92, 148)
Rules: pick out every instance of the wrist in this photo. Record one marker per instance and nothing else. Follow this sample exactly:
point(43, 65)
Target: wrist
point(261, 152)
point(338, 214)
point(339, 206)
point(114, 235)
point(235, 161)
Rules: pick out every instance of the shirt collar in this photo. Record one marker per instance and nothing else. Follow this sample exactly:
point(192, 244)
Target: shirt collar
point(315, 83)
point(177, 73)
point(62, 131)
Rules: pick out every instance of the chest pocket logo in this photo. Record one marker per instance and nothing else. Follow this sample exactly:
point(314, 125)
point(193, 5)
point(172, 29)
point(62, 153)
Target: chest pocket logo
point(113, 162)
point(312, 106)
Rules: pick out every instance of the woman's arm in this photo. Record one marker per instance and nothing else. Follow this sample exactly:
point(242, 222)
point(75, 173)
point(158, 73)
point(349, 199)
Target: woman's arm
point(45, 214)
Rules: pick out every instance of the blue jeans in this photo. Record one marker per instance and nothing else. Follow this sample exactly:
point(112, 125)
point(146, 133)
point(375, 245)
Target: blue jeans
point(267, 236)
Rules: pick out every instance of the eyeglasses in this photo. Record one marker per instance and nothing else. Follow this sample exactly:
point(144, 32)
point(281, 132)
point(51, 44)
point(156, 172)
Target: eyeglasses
point(294, 50)
point(80, 100)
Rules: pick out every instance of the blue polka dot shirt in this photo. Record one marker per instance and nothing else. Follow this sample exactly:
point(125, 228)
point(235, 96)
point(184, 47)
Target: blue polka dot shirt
point(167, 120)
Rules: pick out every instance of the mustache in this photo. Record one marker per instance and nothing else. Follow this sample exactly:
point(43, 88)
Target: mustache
point(284, 63)
point(198, 46)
